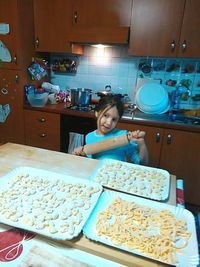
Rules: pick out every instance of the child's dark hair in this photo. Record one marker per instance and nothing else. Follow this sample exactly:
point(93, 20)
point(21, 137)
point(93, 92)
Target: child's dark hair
point(111, 101)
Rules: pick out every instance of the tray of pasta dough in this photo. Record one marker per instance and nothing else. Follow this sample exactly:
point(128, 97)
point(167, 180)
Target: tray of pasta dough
point(144, 227)
point(148, 182)
point(47, 203)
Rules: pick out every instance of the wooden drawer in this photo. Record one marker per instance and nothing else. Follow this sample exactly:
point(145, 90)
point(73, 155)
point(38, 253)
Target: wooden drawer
point(42, 129)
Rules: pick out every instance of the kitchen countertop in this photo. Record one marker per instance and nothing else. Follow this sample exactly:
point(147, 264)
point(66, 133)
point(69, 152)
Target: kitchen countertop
point(156, 120)
point(15, 155)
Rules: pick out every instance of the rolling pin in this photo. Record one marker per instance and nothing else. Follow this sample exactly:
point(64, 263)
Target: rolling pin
point(108, 144)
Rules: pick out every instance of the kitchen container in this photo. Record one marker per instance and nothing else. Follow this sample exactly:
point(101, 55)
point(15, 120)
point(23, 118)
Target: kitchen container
point(37, 100)
point(80, 96)
point(152, 98)
point(108, 92)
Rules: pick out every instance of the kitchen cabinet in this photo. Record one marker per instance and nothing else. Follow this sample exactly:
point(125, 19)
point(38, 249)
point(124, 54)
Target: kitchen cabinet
point(11, 92)
point(176, 151)
point(180, 156)
point(42, 129)
point(165, 28)
point(52, 20)
point(18, 14)
point(105, 21)
point(153, 140)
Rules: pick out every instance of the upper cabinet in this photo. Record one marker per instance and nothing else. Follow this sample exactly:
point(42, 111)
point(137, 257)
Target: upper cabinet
point(189, 44)
point(105, 21)
point(53, 20)
point(165, 28)
point(17, 33)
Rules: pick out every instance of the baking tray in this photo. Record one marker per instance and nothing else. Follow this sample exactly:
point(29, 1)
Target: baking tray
point(187, 256)
point(148, 182)
point(47, 203)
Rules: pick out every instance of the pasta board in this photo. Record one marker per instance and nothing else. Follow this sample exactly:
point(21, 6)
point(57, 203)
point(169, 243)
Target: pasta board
point(123, 230)
point(148, 182)
point(47, 203)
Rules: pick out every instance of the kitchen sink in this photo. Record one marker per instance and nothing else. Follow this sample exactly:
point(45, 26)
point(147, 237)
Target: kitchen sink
point(190, 120)
point(178, 118)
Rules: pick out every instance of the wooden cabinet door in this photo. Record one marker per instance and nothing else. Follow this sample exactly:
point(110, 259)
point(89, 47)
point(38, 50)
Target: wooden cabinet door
point(11, 92)
point(105, 21)
point(53, 20)
point(42, 129)
point(181, 156)
point(190, 41)
point(155, 27)
point(8, 15)
point(19, 41)
point(153, 140)
point(95, 13)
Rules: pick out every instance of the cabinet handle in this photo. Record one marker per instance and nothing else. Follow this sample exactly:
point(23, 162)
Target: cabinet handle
point(184, 46)
point(17, 78)
point(173, 45)
point(75, 17)
point(37, 42)
point(43, 135)
point(157, 137)
point(14, 59)
point(4, 91)
point(169, 139)
point(41, 119)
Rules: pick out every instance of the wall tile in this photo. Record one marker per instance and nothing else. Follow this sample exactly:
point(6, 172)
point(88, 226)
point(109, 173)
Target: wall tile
point(113, 66)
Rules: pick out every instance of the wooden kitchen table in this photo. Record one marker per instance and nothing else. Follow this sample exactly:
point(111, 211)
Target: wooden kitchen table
point(15, 155)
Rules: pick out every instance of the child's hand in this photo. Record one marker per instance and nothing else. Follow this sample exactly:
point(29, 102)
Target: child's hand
point(78, 151)
point(137, 136)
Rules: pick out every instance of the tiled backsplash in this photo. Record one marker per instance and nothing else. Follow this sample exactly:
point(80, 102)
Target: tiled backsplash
point(112, 66)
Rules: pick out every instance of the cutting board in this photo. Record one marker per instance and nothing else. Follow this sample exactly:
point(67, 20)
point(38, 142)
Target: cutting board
point(39, 257)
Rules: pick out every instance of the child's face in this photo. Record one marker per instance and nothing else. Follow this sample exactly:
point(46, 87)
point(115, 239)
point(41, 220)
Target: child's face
point(107, 120)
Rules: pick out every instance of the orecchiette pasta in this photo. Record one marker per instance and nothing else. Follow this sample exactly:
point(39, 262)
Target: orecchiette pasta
point(150, 183)
point(52, 206)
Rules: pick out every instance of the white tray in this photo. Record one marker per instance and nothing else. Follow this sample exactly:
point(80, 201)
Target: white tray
point(187, 257)
point(47, 203)
point(120, 178)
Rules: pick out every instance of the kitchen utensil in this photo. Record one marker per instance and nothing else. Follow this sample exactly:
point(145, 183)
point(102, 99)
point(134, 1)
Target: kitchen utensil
point(80, 96)
point(109, 92)
point(108, 144)
point(152, 98)
point(37, 100)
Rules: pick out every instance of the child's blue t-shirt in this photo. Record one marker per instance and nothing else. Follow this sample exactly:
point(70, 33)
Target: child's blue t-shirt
point(120, 153)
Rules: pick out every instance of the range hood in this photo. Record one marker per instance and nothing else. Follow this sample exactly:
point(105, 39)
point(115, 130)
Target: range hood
point(102, 35)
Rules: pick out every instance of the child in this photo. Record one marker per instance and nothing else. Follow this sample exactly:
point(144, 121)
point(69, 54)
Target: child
point(108, 113)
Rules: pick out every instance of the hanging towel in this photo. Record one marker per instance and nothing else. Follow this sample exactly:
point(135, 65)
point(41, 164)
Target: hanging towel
point(75, 140)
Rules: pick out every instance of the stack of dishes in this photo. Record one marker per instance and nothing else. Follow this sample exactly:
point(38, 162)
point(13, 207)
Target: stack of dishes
point(152, 98)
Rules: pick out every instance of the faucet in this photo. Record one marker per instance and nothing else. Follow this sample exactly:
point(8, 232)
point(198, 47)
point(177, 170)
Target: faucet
point(176, 95)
